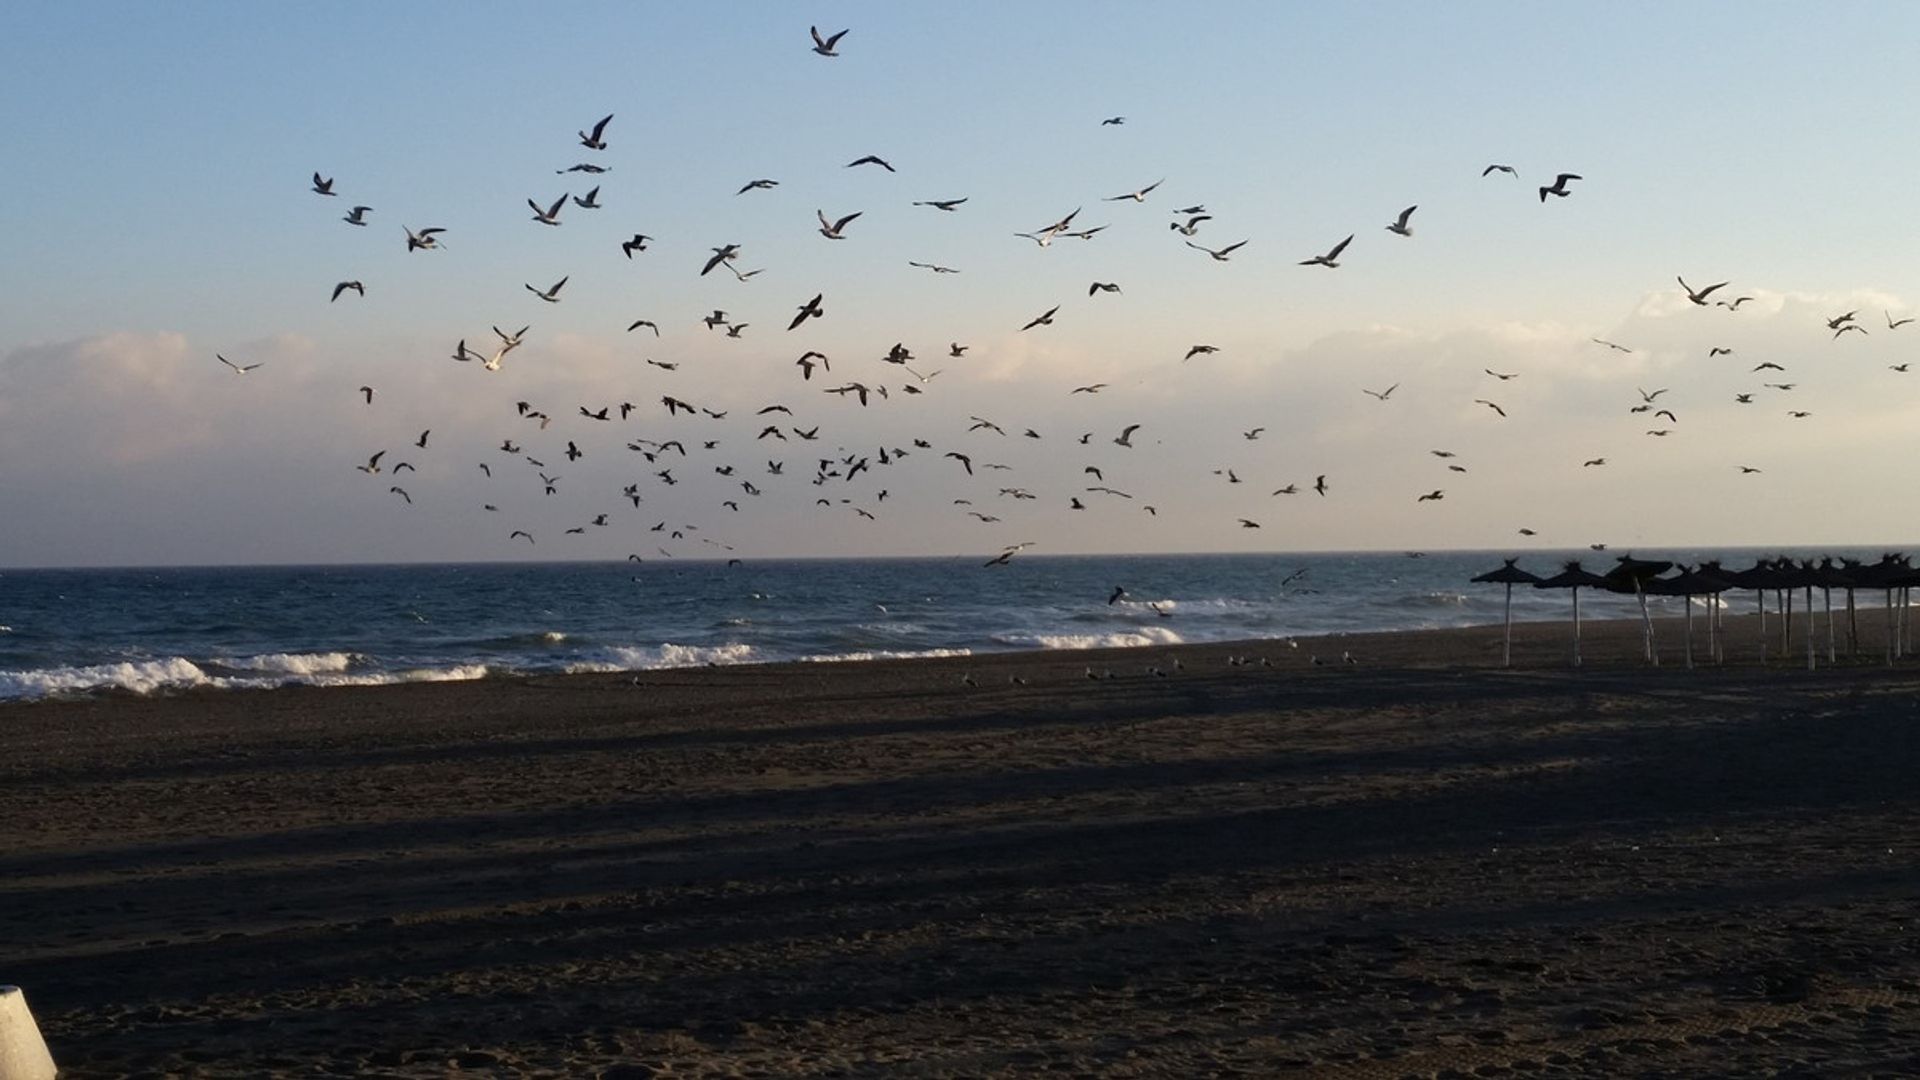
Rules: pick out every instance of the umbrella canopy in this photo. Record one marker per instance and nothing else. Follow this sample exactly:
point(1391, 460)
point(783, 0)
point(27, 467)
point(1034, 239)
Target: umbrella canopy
point(1573, 578)
point(1508, 575)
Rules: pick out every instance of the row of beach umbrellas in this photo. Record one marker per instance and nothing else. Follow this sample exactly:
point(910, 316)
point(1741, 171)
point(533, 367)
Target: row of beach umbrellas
point(1893, 575)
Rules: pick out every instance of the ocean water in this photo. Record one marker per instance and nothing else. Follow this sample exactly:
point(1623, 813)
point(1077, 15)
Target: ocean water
point(68, 632)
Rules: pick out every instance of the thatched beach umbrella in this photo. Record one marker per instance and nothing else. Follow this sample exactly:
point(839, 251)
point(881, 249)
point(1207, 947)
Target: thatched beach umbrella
point(1508, 575)
point(1631, 575)
point(1574, 578)
point(1759, 577)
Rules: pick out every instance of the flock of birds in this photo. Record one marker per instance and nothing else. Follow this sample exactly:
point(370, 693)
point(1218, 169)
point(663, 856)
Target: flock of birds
point(676, 442)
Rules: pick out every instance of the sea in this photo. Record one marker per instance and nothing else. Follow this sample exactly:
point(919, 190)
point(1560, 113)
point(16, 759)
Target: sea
point(71, 632)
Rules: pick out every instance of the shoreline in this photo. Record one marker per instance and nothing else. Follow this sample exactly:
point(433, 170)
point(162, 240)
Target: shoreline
point(1603, 641)
point(1418, 863)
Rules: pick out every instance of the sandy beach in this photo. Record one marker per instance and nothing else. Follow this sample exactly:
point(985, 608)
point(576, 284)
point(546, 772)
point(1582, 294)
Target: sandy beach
point(1415, 865)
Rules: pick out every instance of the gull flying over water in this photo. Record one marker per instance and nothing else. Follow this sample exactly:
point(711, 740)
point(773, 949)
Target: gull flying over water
point(238, 369)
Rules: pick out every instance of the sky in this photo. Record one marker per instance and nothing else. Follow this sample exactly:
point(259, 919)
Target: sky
point(159, 211)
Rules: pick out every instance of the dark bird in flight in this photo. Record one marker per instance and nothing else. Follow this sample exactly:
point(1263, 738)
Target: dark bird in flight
point(373, 464)
point(367, 391)
point(824, 46)
point(649, 323)
point(1092, 388)
point(1044, 320)
point(1102, 286)
point(1559, 186)
point(757, 185)
point(590, 201)
point(551, 215)
point(1767, 365)
point(1849, 326)
point(421, 442)
point(1199, 350)
point(1113, 121)
point(809, 310)
point(1718, 351)
point(942, 204)
point(1126, 436)
point(1399, 226)
point(1193, 224)
point(1590, 462)
point(724, 253)
point(1225, 252)
point(638, 243)
point(1136, 196)
point(1892, 324)
point(1381, 394)
point(357, 215)
point(870, 159)
point(1502, 376)
point(322, 186)
point(1491, 169)
point(344, 286)
point(1746, 470)
point(238, 369)
point(1247, 523)
point(1610, 345)
point(593, 170)
point(1698, 296)
point(592, 140)
point(1734, 304)
point(1491, 405)
point(402, 492)
point(425, 240)
point(551, 295)
point(1320, 484)
point(831, 229)
point(1432, 496)
point(935, 267)
point(1331, 259)
point(963, 459)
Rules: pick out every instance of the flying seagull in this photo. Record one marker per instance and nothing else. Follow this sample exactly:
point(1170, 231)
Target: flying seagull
point(942, 204)
point(757, 185)
point(552, 295)
point(1381, 394)
point(1698, 296)
point(1491, 405)
point(824, 46)
point(1220, 255)
point(1199, 350)
point(638, 243)
point(551, 215)
point(590, 201)
point(1136, 196)
point(831, 230)
point(1043, 320)
point(592, 140)
point(1491, 169)
point(1559, 186)
point(357, 215)
point(238, 369)
point(870, 159)
point(810, 309)
point(638, 323)
point(724, 253)
point(344, 286)
point(424, 240)
point(322, 186)
point(1331, 259)
point(1399, 227)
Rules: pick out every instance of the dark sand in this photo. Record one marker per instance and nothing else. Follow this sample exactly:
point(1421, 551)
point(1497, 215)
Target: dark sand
point(1419, 865)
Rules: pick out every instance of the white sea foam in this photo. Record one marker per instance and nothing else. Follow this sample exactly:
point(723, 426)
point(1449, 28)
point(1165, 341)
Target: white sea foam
point(140, 677)
point(884, 654)
point(458, 673)
point(1146, 635)
point(553, 637)
point(669, 655)
point(299, 665)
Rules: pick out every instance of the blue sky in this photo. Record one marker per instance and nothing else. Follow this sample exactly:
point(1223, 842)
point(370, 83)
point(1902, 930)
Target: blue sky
point(158, 212)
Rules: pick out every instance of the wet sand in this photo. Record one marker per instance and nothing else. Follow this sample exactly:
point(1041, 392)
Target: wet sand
point(1415, 865)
